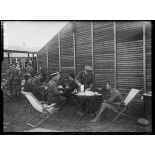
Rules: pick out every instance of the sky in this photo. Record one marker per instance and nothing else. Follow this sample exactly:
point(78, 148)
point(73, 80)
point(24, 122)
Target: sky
point(30, 33)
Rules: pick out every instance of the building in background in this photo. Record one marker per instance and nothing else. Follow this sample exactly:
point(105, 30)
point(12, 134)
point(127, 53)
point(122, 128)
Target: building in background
point(20, 55)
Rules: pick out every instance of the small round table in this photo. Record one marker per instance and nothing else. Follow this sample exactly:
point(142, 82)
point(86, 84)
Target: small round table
point(88, 102)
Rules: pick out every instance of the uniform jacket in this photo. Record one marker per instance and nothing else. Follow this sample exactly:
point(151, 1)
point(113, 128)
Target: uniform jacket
point(84, 79)
point(115, 96)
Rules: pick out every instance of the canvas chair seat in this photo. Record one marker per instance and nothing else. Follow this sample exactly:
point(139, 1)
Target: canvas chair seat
point(41, 107)
point(125, 103)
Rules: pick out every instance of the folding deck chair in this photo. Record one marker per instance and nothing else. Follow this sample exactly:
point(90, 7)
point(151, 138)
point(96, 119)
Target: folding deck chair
point(128, 99)
point(41, 107)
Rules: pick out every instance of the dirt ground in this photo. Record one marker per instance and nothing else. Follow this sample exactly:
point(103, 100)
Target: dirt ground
point(15, 117)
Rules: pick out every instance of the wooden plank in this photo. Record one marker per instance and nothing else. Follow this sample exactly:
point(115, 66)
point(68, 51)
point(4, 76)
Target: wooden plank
point(115, 57)
point(83, 45)
point(144, 57)
point(148, 27)
point(92, 43)
point(103, 52)
point(59, 43)
point(130, 59)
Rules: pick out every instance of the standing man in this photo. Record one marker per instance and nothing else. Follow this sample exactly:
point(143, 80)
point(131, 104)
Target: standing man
point(42, 74)
point(30, 69)
point(9, 79)
point(16, 82)
point(85, 78)
point(113, 102)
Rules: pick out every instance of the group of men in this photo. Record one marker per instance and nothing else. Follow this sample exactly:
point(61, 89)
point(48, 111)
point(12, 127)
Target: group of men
point(14, 79)
point(56, 91)
point(13, 82)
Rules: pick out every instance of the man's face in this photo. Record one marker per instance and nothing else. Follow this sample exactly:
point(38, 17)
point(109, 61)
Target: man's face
point(70, 78)
point(108, 86)
point(57, 77)
point(86, 72)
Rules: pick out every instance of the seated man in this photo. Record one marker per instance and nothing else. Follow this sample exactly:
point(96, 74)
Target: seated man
point(68, 91)
point(27, 85)
point(30, 87)
point(85, 78)
point(36, 80)
point(113, 102)
point(54, 95)
point(60, 82)
point(30, 69)
point(42, 74)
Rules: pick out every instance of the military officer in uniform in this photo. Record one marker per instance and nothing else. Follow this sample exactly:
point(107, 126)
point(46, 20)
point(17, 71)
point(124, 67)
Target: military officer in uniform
point(34, 89)
point(85, 78)
point(42, 74)
point(114, 101)
point(16, 82)
point(72, 86)
point(9, 79)
point(54, 95)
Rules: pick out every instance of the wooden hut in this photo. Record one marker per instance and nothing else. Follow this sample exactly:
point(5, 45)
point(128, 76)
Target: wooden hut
point(119, 51)
point(17, 55)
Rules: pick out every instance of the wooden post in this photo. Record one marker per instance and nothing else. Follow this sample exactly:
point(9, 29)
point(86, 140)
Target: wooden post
point(47, 78)
point(8, 57)
point(47, 57)
point(37, 61)
point(144, 57)
point(59, 43)
point(28, 57)
point(74, 53)
point(115, 57)
point(92, 43)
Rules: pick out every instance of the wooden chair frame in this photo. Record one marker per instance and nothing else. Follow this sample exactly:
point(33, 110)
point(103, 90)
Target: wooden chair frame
point(41, 107)
point(126, 103)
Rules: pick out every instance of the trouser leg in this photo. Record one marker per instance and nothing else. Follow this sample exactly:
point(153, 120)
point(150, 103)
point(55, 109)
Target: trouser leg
point(101, 109)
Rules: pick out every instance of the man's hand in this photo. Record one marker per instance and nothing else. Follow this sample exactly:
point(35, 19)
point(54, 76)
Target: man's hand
point(88, 89)
point(61, 92)
point(79, 84)
point(104, 101)
point(60, 87)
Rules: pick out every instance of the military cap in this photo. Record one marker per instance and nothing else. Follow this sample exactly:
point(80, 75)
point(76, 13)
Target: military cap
point(27, 76)
point(88, 68)
point(72, 75)
point(36, 74)
point(54, 74)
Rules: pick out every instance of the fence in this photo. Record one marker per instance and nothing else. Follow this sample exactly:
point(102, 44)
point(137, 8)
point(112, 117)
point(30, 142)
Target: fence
point(118, 51)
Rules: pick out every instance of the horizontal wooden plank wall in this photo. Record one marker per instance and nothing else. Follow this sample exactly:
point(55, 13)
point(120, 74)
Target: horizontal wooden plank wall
point(66, 49)
point(148, 57)
point(129, 54)
point(83, 47)
point(130, 60)
point(103, 52)
point(53, 55)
